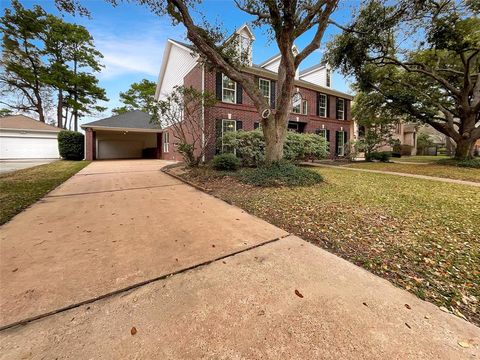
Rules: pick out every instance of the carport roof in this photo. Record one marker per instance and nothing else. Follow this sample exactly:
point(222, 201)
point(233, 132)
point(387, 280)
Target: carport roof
point(135, 119)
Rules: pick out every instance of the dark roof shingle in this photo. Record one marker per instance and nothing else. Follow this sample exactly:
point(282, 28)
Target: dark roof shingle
point(135, 119)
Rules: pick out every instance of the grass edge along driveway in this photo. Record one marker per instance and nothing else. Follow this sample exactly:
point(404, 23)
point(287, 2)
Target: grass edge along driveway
point(22, 188)
point(421, 235)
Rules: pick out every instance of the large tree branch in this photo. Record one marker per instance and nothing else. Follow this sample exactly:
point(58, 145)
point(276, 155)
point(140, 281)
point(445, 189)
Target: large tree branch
point(208, 49)
point(322, 23)
point(423, 69)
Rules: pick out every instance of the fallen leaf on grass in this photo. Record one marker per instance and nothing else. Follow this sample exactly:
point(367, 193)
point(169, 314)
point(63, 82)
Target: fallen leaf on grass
point(298, 294)
point(133, 330)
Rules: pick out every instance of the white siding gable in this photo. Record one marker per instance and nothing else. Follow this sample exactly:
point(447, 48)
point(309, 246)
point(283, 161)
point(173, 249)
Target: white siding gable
point(317, 76)
point(177, 62)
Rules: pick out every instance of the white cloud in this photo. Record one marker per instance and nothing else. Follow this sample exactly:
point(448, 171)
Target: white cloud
point(139, 52)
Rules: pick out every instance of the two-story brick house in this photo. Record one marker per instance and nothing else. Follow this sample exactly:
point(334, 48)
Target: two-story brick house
point(316, 106)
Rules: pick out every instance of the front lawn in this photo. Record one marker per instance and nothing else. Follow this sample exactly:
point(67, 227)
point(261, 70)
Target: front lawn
point(421, 235)
point(421, 158)
point(22, 188)
point(430, 169)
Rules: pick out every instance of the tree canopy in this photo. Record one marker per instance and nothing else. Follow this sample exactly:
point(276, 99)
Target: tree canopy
point(43, 55)
point(417, 61)
point(140, 96)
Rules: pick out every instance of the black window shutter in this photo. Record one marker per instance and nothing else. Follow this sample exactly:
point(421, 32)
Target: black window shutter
point(239, 93)
point(256, 125)
point(345, 137)
point(336, 109)
point(328, 107)
point(328, 135)
point(318, 104)
point(273, 93)
point(336, 142)
point(239, 125)
point(218, 137)
point(218, 85)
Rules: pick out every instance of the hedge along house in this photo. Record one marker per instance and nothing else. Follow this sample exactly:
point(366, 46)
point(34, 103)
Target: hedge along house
point(316, 106)
point(126, 136)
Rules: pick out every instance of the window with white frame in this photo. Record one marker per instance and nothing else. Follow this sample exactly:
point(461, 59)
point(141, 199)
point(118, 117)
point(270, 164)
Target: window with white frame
point(229, 90)
point(322, 105)
point(340, 109)
point(228, 126)
point(341, 143)
point(304, 107)
point(329, 77)
point(166, 141)
point(297, 103)
point(264, 86)
point(323, 133)
point(245, 47)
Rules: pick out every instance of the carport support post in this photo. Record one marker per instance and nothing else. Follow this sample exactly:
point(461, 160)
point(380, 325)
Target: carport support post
point(90, 140)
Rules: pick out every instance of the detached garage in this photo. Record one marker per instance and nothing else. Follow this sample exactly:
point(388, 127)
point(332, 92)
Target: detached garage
point(127, 136)
point(22, 137)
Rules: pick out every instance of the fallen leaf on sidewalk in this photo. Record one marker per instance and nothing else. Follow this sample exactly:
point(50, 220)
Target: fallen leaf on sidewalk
point(133, 330)
point(298, 294)
point(408, 326)
point(365, 304)
point(407, 306)
point(464, 344)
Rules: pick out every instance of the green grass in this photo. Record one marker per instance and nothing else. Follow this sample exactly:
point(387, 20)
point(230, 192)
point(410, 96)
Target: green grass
point(22, 188)
point(421, 158)
point(421, 235)
point(430, 169)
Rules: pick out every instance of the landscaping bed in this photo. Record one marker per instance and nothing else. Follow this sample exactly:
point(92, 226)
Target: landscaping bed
point(428, 169)
point(421, 235)
point(22, 188)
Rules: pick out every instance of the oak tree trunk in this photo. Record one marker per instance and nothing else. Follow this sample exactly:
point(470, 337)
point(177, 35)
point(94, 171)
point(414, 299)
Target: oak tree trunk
point(464, 149)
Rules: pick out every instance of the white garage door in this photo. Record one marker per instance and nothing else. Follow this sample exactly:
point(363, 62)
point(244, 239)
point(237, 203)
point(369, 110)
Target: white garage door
point(28, 148)
point(119, 149)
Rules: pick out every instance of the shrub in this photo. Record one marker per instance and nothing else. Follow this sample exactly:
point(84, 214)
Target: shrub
point(71, 145)
point(226, 162)
point(280, 173)
point(250, 146)
point(383, 156)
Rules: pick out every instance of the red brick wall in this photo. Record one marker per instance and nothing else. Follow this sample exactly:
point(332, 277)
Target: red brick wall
point(90, 151)
point(247, 113)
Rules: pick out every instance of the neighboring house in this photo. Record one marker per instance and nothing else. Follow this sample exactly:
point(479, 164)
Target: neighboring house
point(316, 106)
point(126, 136)
point(22, 137)
point(407, 135)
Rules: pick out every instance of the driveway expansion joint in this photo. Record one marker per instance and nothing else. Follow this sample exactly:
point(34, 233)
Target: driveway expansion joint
point(137, 285)
point(114, 190)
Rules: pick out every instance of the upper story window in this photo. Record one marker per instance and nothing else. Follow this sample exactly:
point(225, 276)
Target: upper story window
point(264, 86)
point(229, 90)
point(340, 109)
point(329, 77)
point(297, 103)
point(322, 105)
point(245, 47)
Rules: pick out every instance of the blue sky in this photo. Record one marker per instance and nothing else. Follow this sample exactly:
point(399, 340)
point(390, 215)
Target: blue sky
point(132, 39)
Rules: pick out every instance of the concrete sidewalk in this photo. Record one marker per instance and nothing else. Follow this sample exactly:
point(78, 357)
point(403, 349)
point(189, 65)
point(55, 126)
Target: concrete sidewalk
point(257, 294)
point(416, 176)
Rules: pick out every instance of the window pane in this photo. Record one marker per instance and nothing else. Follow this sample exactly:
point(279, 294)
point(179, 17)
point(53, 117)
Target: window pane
point(322, 105)
point(304, 107)
point(228, 126)
point(228, 83)
point(296, 103)
point(264, 86)
point(340, 109)
point(228, 96)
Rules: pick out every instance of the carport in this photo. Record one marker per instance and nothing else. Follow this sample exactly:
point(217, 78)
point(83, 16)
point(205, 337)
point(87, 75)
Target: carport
point(126, 136)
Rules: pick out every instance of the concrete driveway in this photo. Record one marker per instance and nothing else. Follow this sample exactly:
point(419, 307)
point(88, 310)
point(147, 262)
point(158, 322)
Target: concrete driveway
point(123, 261)
point(7, 166)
